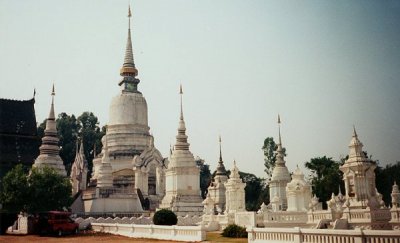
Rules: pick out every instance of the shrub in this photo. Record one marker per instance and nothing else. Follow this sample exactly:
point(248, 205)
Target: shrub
point(234, 231)
point(165, 217)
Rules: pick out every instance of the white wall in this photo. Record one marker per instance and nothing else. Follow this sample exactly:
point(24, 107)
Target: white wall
point(176, 233)
point(297, 235)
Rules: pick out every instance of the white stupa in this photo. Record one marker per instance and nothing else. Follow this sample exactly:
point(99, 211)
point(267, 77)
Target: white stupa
point(133, 169)
point(49, 150)
point(216, 190)
point(182, 177)
point(359, 177)
point(279, 179)
point(298, 192)
point(235, 195)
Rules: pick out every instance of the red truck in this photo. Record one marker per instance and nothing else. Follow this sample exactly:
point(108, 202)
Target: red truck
point(58, 222)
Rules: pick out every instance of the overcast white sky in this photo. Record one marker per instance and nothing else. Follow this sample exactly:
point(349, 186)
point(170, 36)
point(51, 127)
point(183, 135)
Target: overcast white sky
point(323, 65)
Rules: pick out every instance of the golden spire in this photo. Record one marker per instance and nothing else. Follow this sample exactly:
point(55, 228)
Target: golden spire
point(128, 68)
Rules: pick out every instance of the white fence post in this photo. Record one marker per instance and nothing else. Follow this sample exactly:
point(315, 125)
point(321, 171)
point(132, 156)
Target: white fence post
point(297, 236)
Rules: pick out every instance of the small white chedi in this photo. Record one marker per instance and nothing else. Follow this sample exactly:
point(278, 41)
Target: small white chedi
point(182, 176)
point(298, 192)
point(49, 150)
point(216, 190)
point(279, 179)
point(235, 196)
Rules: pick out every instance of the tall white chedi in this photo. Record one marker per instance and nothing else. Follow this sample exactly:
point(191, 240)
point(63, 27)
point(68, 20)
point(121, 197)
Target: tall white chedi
point(137, 166)
point(182, 176)
point(235, 195)
point(279, 179)
point(298, 192)
point(359, 178)
point(49, 150)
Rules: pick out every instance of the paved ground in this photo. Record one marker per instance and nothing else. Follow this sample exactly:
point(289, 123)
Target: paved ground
point(101, 238)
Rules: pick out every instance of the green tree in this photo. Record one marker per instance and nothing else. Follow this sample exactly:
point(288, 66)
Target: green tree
point(269, 149)
point(91, 134)
point(14, 194)
point(48, 190)
point(70, 129)
point(326, 177)
point(385, 177)
point(256, 191)
point(41, 190)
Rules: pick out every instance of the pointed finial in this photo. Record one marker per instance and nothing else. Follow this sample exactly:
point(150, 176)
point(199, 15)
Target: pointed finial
point(181, 93)
point(234, 163)
point(34, 92)
point(354, 131)
point(53, 93)
point(51, 114)
point(129, 16)
point(279, 128)
point(77, 146)
point(220, 149)
point(81, 147)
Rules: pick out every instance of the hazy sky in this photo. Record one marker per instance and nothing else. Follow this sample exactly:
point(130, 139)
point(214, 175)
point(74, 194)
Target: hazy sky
point(323, 65)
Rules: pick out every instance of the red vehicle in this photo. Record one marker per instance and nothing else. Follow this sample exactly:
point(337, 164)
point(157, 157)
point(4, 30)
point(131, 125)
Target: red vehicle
point(57, 222)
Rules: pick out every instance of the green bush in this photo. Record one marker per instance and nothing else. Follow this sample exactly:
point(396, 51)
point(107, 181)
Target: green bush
point(165, 217)
point(234, 231)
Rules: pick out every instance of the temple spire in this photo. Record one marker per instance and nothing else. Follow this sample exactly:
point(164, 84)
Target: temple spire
point(354, 132)
point(279, 128)
point(51, 114)
point(49, 150)
point(77, 147)
point(128, 70)
point(220, 168)
point(181, 138)
point(220, 149)
point(181, 94)
point(280, 151)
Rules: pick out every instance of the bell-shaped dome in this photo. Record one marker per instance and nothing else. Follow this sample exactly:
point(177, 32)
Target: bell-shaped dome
point(128, 109)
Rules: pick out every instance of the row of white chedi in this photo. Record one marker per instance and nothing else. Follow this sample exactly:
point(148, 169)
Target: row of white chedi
point(293, 193)
point(286, 193)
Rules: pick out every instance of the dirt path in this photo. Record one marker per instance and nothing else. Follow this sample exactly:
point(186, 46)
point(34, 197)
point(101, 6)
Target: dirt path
point(81, 238)
point(103, 238)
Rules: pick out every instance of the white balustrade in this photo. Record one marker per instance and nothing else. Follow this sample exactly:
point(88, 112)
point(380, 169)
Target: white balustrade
point(297, 235)
point(176, 233)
